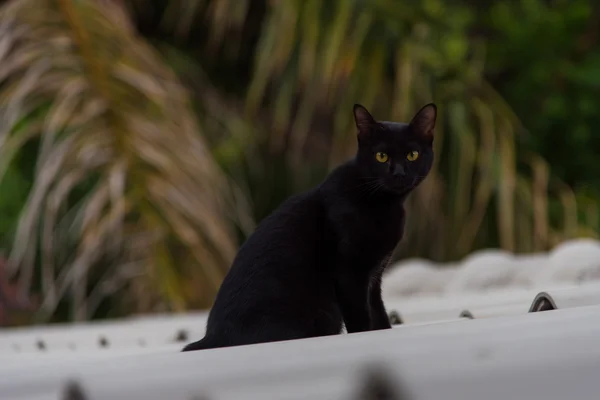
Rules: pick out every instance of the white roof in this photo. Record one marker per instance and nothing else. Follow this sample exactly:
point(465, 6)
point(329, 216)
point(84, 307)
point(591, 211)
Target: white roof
point(471, 330)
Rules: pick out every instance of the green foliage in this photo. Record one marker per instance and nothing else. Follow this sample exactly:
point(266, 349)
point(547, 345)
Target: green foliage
point(271, 85)
point(123, 183)
point(548, 69)
point(13, 192)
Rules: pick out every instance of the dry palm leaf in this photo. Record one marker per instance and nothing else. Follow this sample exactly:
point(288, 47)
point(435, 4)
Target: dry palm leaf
point(113, 121)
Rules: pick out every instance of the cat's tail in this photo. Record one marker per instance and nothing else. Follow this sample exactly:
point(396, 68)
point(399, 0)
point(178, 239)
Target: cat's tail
point(199, 345)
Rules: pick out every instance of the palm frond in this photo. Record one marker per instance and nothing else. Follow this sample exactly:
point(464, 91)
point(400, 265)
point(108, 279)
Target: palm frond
point(123, 173)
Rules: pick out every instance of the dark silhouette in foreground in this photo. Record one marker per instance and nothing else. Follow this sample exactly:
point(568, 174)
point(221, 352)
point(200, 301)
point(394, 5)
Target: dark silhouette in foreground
point(317, 261)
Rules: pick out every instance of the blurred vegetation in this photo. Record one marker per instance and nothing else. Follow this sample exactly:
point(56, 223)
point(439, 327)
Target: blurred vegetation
point(140, 140)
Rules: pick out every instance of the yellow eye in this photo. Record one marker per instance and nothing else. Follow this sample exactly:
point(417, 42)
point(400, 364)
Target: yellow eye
point(381, 157)
point(412, 156)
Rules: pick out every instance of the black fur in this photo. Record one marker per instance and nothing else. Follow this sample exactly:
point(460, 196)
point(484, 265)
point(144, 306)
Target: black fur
point(317, 261)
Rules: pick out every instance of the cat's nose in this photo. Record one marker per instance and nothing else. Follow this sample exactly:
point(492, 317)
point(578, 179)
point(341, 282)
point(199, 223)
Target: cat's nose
point(399, 170)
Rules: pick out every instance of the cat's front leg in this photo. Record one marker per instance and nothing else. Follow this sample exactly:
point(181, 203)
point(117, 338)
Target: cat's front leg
point(353, 296)
point(379, 316)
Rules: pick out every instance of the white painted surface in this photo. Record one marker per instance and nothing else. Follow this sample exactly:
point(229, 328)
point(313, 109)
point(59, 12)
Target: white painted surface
point(483, 270)
point(141, 332)
point(574, 261)
point(504, 353)
point(570, 263)
point(550, 355)
point(416, 276)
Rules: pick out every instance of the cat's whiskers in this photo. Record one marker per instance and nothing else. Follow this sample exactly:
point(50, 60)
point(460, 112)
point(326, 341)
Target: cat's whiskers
point(370, 187)
point(377, 187)
point(370, 181)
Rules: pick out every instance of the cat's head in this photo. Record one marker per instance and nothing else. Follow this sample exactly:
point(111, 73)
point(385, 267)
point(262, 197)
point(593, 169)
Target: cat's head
point(395, 156)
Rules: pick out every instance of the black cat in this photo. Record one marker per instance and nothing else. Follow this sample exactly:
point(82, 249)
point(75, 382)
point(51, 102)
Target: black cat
point(317, 261)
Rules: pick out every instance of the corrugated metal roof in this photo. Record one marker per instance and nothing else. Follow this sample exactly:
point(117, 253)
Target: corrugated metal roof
point(570, 263)
point(471, 330)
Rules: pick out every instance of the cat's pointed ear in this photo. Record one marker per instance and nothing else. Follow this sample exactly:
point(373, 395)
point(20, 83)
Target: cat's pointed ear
point(423, 122)
point(362, 117)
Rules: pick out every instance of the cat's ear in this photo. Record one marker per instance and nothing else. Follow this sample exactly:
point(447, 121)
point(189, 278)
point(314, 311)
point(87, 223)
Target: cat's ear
point(423, 123)
point(364, 120)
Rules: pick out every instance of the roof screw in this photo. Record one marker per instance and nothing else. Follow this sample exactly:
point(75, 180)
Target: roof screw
point(379, 384)
point(103, 342)
point(182, 336)
point(73, 391)
point(395, 318)
point(41, 345)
